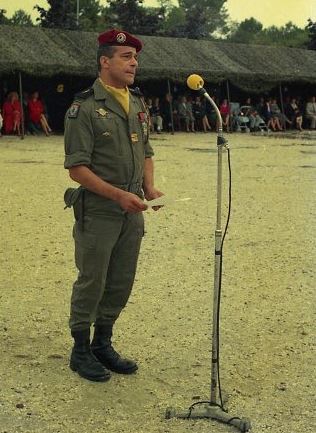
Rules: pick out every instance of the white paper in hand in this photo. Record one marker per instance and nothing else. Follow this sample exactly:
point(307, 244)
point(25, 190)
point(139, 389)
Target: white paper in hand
point(163, 201)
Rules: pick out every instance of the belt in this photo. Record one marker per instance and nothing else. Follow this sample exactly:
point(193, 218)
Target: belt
point(134, 187)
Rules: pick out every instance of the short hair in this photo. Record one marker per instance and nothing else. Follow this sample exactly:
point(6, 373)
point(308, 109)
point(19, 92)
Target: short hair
point(105, 50)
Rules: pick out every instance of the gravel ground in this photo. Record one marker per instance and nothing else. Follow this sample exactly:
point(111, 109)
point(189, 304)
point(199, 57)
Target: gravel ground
point(267, 319)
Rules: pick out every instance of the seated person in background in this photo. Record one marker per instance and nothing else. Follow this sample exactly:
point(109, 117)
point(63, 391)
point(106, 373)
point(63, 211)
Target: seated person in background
point(186, 114)
point(277, 113)
point(16, 115)
point(242, 121)
point(310, 112)
point(293, 113)
point(199, 113)
point(211, 113)
point(12, 114)
point(271, 119)
point(1, 123)
point(260, 107)
point(37, 118)
point(256, 122)
point(168, 111)
point(156, 116)
point(225, 113)
point(149, 103)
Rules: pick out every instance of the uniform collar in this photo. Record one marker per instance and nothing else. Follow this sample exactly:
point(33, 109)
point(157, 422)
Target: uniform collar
point(101, 94)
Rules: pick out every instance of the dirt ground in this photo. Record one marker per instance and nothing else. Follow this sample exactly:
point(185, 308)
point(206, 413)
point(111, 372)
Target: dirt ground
point(268, 296)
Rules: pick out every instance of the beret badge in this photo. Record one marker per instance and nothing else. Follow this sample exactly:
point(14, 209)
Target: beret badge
point(121, 38)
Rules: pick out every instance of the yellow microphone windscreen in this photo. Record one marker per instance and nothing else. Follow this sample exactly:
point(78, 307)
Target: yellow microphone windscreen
point(195, 82)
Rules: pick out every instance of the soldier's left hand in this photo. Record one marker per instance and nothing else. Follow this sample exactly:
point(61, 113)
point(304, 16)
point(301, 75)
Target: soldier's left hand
point(151, 194)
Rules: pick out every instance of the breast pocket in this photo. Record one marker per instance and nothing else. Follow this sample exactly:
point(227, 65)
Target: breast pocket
point(107, 134)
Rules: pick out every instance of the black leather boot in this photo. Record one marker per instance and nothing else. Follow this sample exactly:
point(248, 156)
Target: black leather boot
point(83, 361)
point(103, 350)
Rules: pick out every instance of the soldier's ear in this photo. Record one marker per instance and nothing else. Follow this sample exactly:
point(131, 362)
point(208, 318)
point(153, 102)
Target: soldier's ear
point(104, 62)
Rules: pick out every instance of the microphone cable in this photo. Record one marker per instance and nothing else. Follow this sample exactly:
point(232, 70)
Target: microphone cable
point(220, 276)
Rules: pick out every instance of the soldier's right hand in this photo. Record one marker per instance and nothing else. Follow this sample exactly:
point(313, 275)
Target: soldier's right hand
point(131, 203)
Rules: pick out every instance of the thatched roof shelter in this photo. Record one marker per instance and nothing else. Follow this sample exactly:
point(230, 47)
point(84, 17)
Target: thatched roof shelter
point(47, 52)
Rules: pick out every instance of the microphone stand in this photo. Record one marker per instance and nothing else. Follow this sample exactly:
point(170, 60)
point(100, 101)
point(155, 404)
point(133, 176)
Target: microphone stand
point(211, 409)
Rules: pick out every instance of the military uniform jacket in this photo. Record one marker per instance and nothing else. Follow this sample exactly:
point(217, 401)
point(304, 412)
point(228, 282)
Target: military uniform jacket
point(99, 134)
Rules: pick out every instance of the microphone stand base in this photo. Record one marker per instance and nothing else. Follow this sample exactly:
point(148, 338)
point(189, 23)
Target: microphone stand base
point(209, 411)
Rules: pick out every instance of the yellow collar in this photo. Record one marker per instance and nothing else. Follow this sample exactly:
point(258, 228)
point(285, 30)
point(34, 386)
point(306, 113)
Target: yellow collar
point(121, 95)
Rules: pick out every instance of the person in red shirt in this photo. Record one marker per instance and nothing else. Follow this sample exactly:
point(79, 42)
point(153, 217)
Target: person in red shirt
point(225, 113)
point(12, 114)
point(1, 123)
point(36, 114)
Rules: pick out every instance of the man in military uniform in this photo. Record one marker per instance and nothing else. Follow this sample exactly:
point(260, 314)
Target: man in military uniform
point(109, 155)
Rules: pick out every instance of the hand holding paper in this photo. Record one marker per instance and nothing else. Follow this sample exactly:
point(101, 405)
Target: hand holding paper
point(163, 201)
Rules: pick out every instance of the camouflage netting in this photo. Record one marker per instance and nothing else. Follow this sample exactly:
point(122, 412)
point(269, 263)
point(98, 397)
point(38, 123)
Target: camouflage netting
point(46, 52)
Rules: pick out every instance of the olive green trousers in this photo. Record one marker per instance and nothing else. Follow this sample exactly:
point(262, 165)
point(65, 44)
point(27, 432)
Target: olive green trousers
point(106, 254)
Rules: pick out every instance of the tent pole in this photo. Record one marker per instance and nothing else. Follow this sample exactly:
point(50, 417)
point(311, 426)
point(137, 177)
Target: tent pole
point(282, 104)
point(228, 91)
point(171, 109)
point(21, 104)
point(228, 99)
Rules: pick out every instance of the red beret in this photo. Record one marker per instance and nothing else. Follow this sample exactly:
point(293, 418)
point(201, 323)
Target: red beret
point(119, 37)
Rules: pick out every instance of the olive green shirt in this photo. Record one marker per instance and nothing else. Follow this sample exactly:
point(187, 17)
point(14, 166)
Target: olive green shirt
point(100, 135)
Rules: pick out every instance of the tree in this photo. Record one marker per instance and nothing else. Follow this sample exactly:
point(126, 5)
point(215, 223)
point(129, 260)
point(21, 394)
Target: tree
point(311, 32)
point(203, 17)
point(175, 23)
point(21, 18)
point(246, 31)
point(251, 31)
point(196, 19)
point(90, 15)
point(288, 35)
point(132, 16)
point(3, 18)
point(61, 14)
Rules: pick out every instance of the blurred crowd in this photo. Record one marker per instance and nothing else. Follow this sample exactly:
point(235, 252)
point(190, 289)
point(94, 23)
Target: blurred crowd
point(196, 114)
point(184, 113)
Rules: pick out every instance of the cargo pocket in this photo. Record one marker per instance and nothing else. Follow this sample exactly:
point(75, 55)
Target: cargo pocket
point(85, 252)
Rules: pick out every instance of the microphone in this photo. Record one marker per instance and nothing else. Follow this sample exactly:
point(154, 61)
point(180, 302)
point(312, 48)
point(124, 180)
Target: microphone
point(195, 82)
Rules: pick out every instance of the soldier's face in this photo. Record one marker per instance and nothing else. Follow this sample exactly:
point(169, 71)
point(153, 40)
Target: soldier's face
point(119, 70)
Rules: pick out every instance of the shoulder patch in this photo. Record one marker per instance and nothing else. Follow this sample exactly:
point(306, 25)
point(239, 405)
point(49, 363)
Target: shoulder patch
point(74, 110)
point(84, 94)
point(136, 92)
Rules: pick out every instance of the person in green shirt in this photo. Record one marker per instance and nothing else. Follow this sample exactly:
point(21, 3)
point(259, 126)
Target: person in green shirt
point(108, 153)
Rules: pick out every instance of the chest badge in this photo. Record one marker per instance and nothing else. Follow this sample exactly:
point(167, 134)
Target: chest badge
point(102, 112)
point(134, 137)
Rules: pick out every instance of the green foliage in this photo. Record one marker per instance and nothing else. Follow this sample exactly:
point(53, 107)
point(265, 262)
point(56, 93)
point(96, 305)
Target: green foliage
point(197, 19)
point(3, 18)
point(251, 31)
point(311, 31)
point(174, 25)
point(61, 14)
point(288, 36)
point(246, 31)
point(90, 18)
point(21, 18)
point(132, 16)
